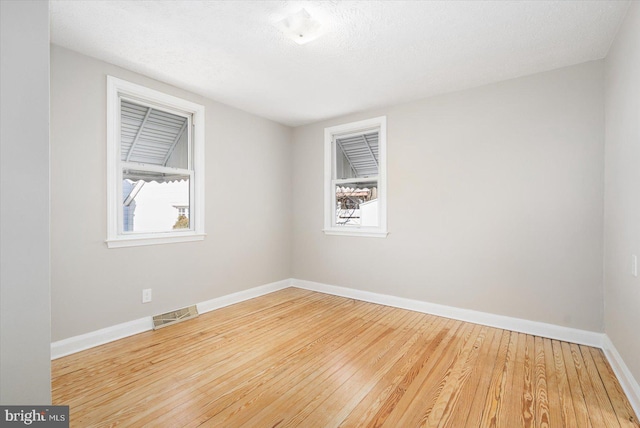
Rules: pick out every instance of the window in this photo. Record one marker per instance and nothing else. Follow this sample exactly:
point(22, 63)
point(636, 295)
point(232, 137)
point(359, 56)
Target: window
point(155, 165)
point(355, 178)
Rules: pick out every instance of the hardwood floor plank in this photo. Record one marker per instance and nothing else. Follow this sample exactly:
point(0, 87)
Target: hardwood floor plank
point(398, 402)
point(569, 416)
point(232, 356)
point(111, 363)
point(477, 388)
point(238, 375)
point(528, 397)
point(577, 395)
point(554, 403)
point(542, 417)
point(497, 387)
point(451, 397)
point(301, 358)
point(515, 399)
point(251, 402)
point(101, 355)
point(422, 395)
point(621, 406)
point(380, 394)
point(428, 358)
point(332, 405)
point(598, 389)
point(508, 408)
point(599, 408)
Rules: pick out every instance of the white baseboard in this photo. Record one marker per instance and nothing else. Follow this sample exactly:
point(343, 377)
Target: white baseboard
point(626, 379)
point(551, 331)
point(79, 343)
point(241, 296)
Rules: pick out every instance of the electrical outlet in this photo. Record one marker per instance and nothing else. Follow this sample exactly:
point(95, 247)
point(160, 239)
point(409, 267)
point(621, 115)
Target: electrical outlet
point(634, 265)
point(146, 295)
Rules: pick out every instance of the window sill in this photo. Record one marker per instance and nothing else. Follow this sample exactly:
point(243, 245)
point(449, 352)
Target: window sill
point(366, 233)
point(140, 240)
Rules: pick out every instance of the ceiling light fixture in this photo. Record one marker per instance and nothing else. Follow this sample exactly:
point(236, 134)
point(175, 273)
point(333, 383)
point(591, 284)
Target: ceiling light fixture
point(300, 27)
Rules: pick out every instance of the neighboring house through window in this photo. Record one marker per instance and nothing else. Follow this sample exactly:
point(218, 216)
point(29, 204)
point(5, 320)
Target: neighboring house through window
point(183, 210)
point(155, 165)
point(355, 178)
point(183, 217)
point(129, 207)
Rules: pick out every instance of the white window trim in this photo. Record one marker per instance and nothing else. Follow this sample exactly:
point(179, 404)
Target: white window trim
point(329, 200)
point(116, 88)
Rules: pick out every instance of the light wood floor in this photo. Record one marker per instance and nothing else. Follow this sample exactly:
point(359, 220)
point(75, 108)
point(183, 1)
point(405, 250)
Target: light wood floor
point(300, 358)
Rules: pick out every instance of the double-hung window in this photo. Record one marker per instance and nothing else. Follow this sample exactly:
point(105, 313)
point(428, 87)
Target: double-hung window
point(155, 145)
point(355, 178)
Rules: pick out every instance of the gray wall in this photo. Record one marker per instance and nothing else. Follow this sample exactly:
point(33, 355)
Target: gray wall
point(248, 214)
point(622, 196)
point(495, 201)
point(24, 200)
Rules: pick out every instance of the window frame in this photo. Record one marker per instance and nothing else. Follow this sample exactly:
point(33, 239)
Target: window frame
point(116, 237)
point(330, 134)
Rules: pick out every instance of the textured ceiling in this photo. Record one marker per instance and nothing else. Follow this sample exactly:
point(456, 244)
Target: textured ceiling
point(373, 53)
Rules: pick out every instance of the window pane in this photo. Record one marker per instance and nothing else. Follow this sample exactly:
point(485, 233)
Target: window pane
point(152, 136)
point(155, 202)
point(357, 155)
point(357, 204)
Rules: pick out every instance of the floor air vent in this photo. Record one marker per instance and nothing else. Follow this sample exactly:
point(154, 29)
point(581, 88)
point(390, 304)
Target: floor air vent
point(164, 320)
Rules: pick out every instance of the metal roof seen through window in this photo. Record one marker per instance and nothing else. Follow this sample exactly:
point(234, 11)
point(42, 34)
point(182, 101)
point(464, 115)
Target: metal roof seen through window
point(148, 135)
point(361, 151)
